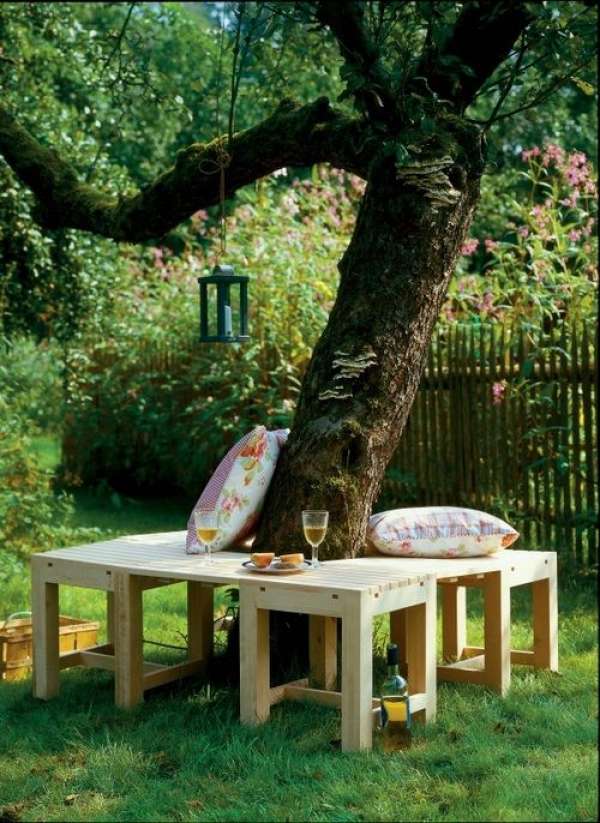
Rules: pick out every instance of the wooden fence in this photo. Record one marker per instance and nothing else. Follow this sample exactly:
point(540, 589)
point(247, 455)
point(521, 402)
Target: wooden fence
point(505, 421)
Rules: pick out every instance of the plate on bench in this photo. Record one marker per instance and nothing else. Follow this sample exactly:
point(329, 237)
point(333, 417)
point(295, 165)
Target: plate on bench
point(277, 568)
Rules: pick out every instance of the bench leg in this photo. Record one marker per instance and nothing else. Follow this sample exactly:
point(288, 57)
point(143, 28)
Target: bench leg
point(497, 631)
point(454, 622)
point(110, 617)
point(323, 651)
point(254, 660)
point(421, 656)
point(545, 621)
point(129, 687)
point(357, 674)
point(200, 606)
point(44, 609)
point(398, 636)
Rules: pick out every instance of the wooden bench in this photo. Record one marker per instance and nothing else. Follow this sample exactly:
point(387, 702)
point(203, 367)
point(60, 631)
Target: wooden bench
point(124, 568)
point(355, 594)
point(496, 575)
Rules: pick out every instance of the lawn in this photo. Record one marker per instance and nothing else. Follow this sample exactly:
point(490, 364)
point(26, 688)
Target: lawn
point(183, 756)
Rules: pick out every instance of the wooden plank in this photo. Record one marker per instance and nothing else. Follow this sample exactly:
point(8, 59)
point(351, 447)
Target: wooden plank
point(575, 471)
point(587, 403)
point(44, 615)
point(323, 651)
point(277, 693)
point(421, 648)
point(497, 631)
point(254, 659)
point(444, 476)
point(433, 452)
point(547, 492)
point(200, 614)
point(357, 666)
point(518, 656)
point(128, 640)
point(545, 620)
point(525, 448)
point(398, 636)
point(167, 674)
point(110, 617)
point(454, 622)
point(565, 445)
point(452, 674)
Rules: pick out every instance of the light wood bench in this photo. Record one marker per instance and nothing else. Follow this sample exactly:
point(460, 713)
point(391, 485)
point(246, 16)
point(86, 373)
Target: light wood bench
point(124, 568)
point(496, 575)
point(354, 593)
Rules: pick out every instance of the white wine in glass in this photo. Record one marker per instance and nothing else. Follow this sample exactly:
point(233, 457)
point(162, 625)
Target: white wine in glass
point(315, 524)
point(207, 529)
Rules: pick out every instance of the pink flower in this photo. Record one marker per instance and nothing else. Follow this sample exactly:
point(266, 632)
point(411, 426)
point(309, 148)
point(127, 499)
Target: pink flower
point(498, 390)
point(490, 244)
point(469, 246)
point(486, 304)
point(574, 235)
point(523, 231)
point(553, 154)
point(527, 154)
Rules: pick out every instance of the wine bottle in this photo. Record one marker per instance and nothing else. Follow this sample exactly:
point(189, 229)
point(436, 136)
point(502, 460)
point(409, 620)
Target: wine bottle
point(395, 705)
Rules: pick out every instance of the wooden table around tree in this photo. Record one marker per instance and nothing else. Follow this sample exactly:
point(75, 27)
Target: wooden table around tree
point(354, 593)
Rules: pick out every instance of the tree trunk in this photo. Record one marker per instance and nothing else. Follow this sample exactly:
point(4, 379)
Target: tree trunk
point(366, 367)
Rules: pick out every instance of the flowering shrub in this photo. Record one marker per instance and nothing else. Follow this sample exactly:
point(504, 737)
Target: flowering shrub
point(543, 268)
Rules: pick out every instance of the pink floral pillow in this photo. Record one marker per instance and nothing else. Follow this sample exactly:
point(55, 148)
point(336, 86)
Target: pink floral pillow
point(238, 487)
point(439, 531)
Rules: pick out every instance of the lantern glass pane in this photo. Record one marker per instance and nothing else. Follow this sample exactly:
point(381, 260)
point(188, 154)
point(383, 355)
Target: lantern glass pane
point(212, 310)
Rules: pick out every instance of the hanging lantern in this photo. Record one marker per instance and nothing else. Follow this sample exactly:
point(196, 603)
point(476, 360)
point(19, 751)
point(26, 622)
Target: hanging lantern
point(231, 315)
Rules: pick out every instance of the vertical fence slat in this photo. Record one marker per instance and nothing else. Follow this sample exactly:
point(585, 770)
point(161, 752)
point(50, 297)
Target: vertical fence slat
point(433, 429)
point(443, 395)
point(565, 442)
point(575, 472)
point(545, 378)
point(587, 382)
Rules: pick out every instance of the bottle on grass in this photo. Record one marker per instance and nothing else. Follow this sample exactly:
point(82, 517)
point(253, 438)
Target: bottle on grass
point(395, 705)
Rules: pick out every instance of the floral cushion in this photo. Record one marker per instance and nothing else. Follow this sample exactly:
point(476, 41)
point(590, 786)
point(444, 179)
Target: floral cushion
point(438, 531)
point(238, 487)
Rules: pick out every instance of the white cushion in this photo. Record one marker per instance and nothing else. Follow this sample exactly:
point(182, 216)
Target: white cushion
point(238, 488)
point(439, 531)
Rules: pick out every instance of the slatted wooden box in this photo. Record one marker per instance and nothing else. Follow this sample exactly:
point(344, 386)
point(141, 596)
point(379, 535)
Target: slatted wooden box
point(16, 642)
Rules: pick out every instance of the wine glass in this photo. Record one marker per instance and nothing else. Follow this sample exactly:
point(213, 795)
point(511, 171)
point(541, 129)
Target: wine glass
point(207, 529)
point(314, 524)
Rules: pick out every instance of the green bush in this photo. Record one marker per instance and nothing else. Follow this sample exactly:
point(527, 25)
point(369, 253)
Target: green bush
point(32, 516)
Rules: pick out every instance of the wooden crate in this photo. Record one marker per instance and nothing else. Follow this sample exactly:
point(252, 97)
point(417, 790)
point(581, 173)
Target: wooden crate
point(16, 642)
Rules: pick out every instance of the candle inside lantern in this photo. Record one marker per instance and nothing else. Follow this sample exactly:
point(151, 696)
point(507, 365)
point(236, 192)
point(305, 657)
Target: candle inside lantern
point(228, 321)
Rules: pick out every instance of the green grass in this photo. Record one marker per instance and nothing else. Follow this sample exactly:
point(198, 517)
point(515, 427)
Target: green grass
point(183, 756)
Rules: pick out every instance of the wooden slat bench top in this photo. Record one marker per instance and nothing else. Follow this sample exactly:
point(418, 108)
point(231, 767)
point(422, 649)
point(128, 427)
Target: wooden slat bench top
point(163, 555)
point(516, 561)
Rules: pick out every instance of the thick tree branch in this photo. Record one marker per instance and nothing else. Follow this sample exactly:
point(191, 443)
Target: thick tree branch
point(481, 40)
point(362, 56)
point(293, 136)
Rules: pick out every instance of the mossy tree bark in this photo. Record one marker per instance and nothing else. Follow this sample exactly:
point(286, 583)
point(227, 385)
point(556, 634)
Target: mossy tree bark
point(366, 368)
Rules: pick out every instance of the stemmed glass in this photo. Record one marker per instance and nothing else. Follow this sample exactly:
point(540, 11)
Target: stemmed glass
point(207, 529)
point(314, 524)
